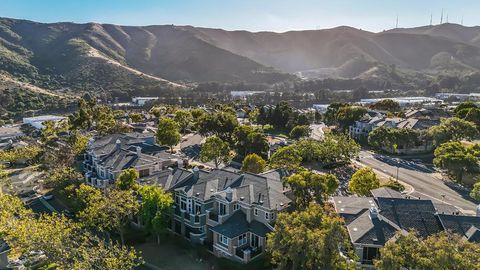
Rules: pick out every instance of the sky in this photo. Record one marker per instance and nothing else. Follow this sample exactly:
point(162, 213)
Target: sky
point(251, 15)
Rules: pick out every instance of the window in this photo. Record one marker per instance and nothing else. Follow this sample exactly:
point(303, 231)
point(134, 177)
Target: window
point(223, 240)
point(144, 172)
point(183, 204)
point(272, 216)
point(236, 207)
point(242, 239)
point(267, 215)
point(222, 209)
point(198, 208)
point(253, 240)
point(255, 211)
point(177, 199)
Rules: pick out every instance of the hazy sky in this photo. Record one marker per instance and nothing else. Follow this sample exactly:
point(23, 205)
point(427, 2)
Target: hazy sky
point(253, 15)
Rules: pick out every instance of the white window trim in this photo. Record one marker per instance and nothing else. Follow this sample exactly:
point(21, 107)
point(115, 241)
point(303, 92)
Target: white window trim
point(243, 240)
point(267, 215)
point(224, 240)
point(255, 211)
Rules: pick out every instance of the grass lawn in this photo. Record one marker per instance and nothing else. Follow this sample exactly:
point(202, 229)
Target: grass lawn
point(174, 252)
point(277, 132)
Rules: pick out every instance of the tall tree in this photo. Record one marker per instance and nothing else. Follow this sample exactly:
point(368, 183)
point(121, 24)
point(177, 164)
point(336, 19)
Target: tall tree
point(363, 181)
point(65, 243)
point(183, 118)
point(386, 105)
point(222, 124)
point(455, 129)
point(127, 179)
point(456, 159)
point(253, 163)
point(111, 212)
point(155, 209)
point(168, 132)
point(286, 157)
point(216, 150)
point(437, 252)
point(311, 187)
point(299, 132)
point(308, 239)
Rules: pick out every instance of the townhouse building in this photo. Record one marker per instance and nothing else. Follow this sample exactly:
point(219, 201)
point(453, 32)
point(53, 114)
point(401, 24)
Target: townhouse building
point(231, 213)
point(373, 221)
point(106, 157)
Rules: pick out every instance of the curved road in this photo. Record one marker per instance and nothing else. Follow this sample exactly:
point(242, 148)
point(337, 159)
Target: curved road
point(425, 182)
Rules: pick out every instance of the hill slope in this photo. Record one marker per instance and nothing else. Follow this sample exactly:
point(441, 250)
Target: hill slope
point(136, 60)
point(111, 57)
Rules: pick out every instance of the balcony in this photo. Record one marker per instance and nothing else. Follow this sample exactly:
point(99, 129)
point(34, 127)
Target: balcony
point(213, 216)
point(242, 252)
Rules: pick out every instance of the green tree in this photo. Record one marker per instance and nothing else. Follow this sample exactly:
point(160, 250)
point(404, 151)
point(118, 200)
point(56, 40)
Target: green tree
point(392, 138)
point(363, 181)
point(386, 105)
point(456, 159)
point(136, 117)
point(475, 193)
point(299, 132)
point(127, 179)
point(168, 132)
point(437, 252)
point(61, 177)
point(49, 133)
point(111, 212)
point(77, 142)
point(346, 116)
point(249, 141)
point(216, 150)
point(453, 129)
point(155, 209)
point(308, 239)
point(286, 157)
point(104, 121)
point(254, 163)
point(310, 187)
point(183, 118)
point(65, 243)
point(222, 124)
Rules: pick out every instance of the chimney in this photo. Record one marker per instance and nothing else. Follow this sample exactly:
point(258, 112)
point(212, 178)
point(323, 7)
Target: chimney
point(229, 194)
point(374, 213)
point(139, 150)
point(118, 144)
point(195, 172)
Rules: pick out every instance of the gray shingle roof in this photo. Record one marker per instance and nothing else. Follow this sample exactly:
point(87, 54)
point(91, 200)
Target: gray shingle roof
point(237, 224)
point(367, 230)
point(459, 224)
point(122, 159)
point(410, 214)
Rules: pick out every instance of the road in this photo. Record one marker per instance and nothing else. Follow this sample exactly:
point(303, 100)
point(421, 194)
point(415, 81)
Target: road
point(422, 178)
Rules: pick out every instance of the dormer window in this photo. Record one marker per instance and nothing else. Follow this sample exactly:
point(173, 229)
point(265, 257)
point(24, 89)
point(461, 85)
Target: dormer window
point(236, 206)
point(267, 215)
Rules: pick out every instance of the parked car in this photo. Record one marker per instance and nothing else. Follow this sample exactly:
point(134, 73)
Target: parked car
point(47, 197)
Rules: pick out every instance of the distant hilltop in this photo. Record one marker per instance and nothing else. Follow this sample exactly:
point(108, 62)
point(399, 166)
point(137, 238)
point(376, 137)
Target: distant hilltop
point(121, 58)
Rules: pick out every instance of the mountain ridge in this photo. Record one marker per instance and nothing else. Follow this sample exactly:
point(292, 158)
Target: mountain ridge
point(126, 60)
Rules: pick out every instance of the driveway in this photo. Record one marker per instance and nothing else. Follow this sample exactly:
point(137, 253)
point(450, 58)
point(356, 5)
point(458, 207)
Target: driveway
point(422, 178)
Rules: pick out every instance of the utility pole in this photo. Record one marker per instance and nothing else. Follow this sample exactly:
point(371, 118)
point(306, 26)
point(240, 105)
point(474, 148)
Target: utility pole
point(461, 21)
point(396, 23)
point(441, 17)
point(447, 18)
point(431, 18)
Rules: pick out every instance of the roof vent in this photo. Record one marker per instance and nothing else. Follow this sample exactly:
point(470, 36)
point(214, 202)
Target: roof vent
point(211, 190)
point(197, 194)
point(373, 213)
point(281, 204)
point(261, 202)
point(242, 198)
